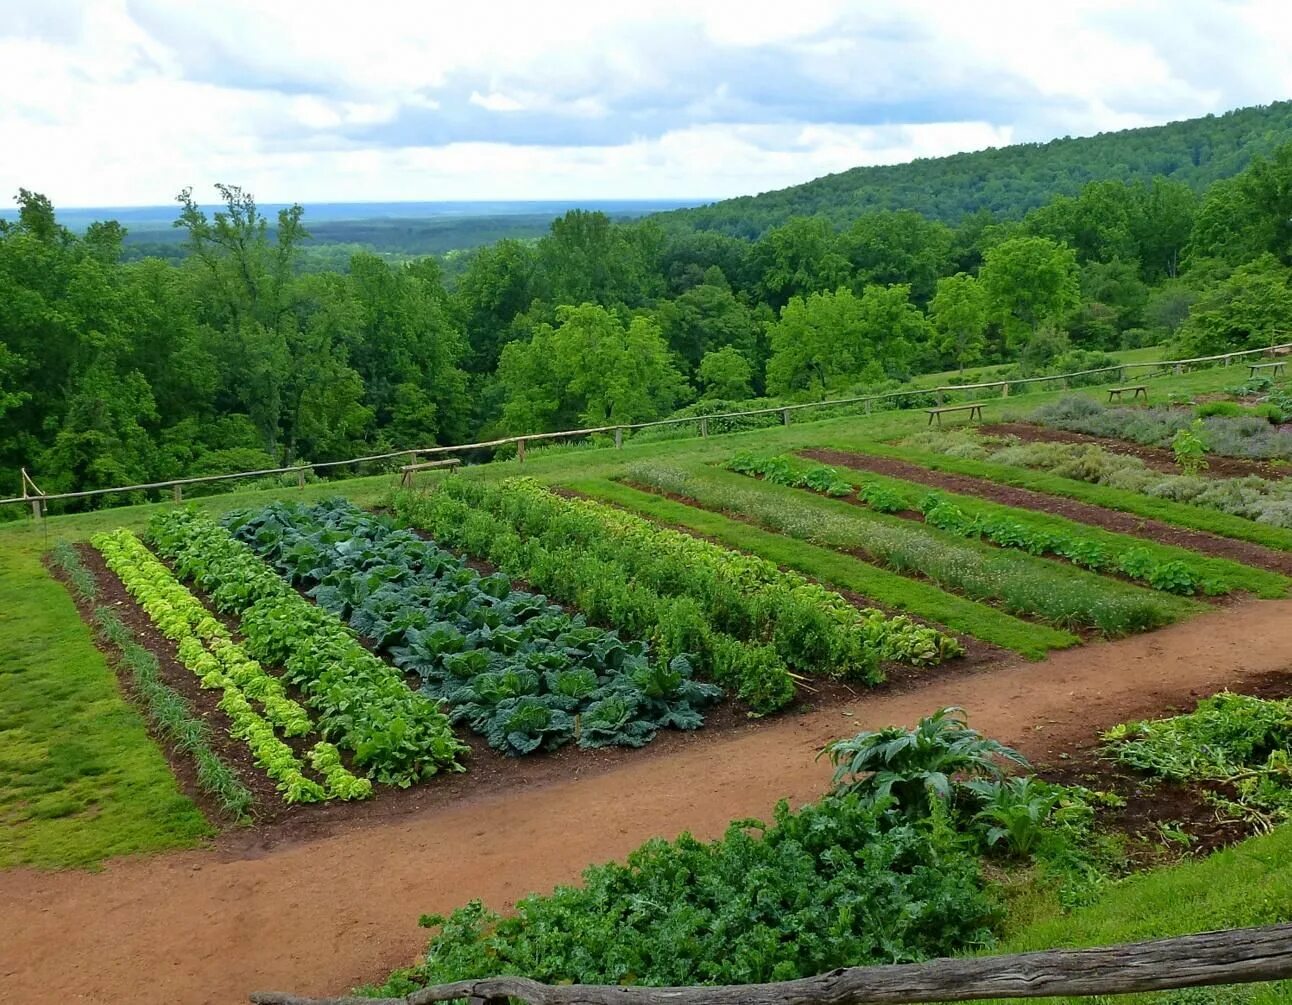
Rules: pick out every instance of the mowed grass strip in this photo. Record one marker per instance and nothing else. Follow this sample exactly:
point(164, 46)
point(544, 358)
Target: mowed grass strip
point(1022, 584)
point(1165, 510)
point(1235, 575)
point(80, 778)
point(841, 571)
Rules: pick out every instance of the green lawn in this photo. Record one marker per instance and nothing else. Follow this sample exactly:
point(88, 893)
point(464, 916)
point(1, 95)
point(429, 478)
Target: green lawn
point(80, 778)
point(1247, 885)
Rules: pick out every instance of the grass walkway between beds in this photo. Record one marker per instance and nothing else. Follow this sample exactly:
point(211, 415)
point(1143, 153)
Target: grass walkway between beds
point(80, 778)
point(1235, 575)
point(841, 571)
point(1165, 510)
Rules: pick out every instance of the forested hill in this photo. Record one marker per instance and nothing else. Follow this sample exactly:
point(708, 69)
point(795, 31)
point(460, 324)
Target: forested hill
point(1009, 181)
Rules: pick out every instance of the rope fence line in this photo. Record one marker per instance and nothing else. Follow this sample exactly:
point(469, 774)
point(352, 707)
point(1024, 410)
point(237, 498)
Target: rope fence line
point(33, 496)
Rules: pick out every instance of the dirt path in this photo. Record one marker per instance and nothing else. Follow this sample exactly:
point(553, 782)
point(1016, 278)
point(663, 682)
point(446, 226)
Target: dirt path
point(1097, 516)
point(320, 916)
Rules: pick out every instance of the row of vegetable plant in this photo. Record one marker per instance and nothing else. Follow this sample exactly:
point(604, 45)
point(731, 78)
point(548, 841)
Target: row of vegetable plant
point(813, 629)
point(1251, 436)
point(516, 668)
point(674, 624)
point(205, 647)
point(1262, 500)
point(361, 704)
point(1172, 570)
point(884, 869)
point(1242, 742)
point(1021, 583)
point(167, 709)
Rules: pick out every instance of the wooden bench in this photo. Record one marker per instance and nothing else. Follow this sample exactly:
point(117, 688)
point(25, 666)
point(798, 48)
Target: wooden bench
point(973, 408)
point(1137, 391)
point(1275, 368)
point(408, 470)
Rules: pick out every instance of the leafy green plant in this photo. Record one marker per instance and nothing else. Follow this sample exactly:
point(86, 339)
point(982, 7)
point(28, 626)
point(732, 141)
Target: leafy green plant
point(838, 883)
point(395, 735)
point(1236, 739)
point(478, 643)
point(1190, 448)
point(916, 766)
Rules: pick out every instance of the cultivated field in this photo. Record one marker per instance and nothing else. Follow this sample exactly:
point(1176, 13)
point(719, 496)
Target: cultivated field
point(248, 743)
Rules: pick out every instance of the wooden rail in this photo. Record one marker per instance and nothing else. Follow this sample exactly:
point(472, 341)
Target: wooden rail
point(38, 499)
point(1237, 956)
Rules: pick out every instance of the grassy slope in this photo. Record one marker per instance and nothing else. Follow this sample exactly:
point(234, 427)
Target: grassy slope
point(843, 571)
point(1238, 576)
point(1248, 884)
point(80, 778)
point(51, 675)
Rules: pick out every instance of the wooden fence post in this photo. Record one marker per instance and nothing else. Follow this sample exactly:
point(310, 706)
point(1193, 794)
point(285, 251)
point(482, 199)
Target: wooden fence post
point(867, 403)
point(785, 416)
point(1179, 369)
point(300, 479)
point(619, 437)
point(37, 510)
point(520, 451)
point(1004, 389)
point(704, 425)
point(177, 492)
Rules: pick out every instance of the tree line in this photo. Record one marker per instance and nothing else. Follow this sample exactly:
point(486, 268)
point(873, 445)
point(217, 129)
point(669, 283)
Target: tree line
point(245, 354)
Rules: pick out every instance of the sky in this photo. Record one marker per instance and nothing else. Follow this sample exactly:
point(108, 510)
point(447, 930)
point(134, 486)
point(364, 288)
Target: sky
point(125, 102)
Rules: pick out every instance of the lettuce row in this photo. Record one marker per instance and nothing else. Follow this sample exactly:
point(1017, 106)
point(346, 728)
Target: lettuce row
point(181, 618)
point(361, 704)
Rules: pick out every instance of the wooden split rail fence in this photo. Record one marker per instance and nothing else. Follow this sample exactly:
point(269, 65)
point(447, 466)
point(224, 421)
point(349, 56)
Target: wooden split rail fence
point(32, 496)
point(1237, 956)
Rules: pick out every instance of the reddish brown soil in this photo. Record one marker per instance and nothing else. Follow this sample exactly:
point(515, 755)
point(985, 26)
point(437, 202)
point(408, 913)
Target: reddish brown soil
point(320, 915)
point(1158, 458)
point(1115, 520)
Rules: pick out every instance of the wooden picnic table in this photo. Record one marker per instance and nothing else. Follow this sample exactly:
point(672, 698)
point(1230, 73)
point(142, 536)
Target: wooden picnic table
point(1275, 368)
point(1137, 391)
point(974, 408)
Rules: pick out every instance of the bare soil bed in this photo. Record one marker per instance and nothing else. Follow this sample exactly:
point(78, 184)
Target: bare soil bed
point(1114, 520)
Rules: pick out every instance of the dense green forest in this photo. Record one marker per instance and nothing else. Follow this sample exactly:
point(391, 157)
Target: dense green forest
point(1009, 181)
point(247, 353)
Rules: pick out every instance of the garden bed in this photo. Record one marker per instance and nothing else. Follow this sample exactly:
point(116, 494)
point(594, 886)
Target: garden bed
point(1158, 458)
point(1113, 520)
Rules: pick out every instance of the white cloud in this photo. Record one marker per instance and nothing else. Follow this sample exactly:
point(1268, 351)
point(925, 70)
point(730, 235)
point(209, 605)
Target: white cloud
point(126, 101)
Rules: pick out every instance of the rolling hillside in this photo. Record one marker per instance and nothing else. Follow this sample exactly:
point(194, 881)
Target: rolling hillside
point(1009, 181)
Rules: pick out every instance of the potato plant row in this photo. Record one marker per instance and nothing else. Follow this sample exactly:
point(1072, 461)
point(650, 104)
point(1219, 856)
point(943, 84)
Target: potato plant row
point(517, 669)
point(814, 629)
point(206, 648)
point(1022, 584)
point(607, 595)
point(1135, 562)
point(361, 704)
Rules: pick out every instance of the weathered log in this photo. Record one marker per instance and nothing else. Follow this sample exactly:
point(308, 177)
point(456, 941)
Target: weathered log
point(1237, 956)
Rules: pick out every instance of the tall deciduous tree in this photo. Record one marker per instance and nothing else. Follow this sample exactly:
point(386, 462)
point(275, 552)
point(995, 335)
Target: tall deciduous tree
point(958, 312)
point(1029, 281)
point(590, 368)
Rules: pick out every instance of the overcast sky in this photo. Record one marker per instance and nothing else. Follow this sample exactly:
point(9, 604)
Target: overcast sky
point(123, 102)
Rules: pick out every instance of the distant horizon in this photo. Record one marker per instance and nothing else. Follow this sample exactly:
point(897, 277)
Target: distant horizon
point(331, 210)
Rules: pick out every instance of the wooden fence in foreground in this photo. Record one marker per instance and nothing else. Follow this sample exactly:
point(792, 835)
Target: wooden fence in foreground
point(1237, 956)
point(33, 496)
